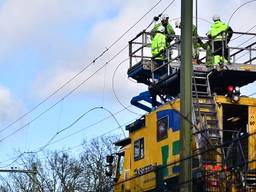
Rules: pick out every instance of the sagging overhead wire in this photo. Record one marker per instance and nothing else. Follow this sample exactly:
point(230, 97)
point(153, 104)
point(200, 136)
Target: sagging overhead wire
point(64, 97)
point(79, 73)
point(68, 127)
point(77, 120)
point(233, 13)
point(99, 136)
point(76, 132)
point(114, 92)
point(239, 8)
point(84, 128)
point(41, 149)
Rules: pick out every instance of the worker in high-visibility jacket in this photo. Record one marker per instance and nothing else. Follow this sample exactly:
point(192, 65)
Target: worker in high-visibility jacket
point(158, 46)
point(219, 34)
point(208, 55)
point(158, 51)
point(168, 30)
point(195, 44)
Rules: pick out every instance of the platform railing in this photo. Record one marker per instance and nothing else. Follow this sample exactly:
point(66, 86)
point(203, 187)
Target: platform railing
point(140, 51)
point(245, 48)
point(140, 48)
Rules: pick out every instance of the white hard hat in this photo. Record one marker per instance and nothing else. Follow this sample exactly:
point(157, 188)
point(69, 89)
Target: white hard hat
point(215, 17)
point(164, 17)
point(161, 29)
point(177, 23)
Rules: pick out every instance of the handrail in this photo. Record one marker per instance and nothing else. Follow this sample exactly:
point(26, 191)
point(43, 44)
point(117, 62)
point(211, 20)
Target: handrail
point(136, 37)
point(244, 33)
point(254, 43)
point(139, 47)
point(250, 60)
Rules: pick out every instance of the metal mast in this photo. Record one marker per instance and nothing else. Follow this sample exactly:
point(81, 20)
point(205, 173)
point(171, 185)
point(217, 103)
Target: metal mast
point(186, 95)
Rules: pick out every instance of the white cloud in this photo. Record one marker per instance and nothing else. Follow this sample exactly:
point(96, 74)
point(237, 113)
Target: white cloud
point(100, 37)
point(39, 24)
point(10, 107)
point(47, 14)
point(26, 21)
point(109, 30)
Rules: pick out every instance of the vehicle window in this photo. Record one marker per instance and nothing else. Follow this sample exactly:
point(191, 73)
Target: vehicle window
point(120, 164)
point(139, 149)
point(162, 128)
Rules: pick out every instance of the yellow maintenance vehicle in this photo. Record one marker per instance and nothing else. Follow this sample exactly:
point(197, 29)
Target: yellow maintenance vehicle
point(223, 124)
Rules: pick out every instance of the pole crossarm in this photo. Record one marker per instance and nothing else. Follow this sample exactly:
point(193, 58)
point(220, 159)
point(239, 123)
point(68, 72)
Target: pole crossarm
point(18, 171)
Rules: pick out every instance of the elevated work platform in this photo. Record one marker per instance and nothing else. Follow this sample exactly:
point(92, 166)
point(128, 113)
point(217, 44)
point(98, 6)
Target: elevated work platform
point(165, 79)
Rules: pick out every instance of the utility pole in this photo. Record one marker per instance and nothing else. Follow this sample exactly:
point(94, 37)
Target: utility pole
point(33, 172)
point(34, 169)
point(186, 95)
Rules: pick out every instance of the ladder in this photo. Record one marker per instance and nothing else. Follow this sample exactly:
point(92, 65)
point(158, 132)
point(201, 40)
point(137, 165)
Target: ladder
point(206, 116)
point(250, 180)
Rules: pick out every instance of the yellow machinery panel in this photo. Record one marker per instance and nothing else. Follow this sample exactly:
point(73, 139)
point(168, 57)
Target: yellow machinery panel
point(252, 138)
point(152, 156)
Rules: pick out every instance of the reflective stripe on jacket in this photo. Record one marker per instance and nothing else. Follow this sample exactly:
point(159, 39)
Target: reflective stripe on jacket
point(158, 44)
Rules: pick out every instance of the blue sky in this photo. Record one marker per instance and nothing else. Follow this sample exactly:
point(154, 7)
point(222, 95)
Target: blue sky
point(44, 43)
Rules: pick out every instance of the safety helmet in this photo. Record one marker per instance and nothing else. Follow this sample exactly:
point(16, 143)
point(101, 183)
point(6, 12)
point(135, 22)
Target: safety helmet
point(164, 17)
point(215, 17)
point(161, 29)
point(177, 23)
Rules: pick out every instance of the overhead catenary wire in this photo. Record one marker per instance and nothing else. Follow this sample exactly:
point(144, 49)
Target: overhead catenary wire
point(38, 115)
point(64, 97)
point(252, 94)
point(205, 151)
point(157, 17)
point(233, 39)
point(244, 42)
point(41, 149)
point(71, 79)
point(80, 72)
point(174, 162)
point(136, 23)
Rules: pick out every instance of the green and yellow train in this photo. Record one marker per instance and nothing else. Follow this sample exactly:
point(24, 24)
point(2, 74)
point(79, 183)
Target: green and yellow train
point(223, 126)
point(149, 158)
